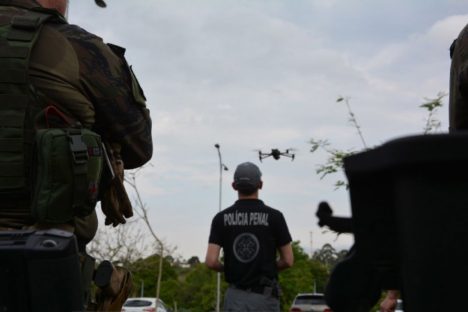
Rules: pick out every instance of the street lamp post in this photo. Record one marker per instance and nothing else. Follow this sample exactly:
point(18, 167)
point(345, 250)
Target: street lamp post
point(221, 168)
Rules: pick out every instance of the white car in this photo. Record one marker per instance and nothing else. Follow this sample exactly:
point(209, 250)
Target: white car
point(309, 302)
point(144, 304)
point(399, 306)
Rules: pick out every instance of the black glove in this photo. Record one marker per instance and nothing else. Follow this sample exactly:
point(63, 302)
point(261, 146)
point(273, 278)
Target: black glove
point(324, 212)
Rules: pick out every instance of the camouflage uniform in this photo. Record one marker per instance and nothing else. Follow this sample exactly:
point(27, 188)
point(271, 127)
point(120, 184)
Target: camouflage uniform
point(458, 99)
point(91, 82)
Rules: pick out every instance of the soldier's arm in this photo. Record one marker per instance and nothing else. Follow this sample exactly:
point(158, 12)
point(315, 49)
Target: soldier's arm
point(121, 114)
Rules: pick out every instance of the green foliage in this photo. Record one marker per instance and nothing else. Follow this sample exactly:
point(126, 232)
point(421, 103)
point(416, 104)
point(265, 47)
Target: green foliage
point(328, 256)
point(302, 277)
point(193, 287)
point(334, 161)
point(352, 119)
point(198, 291)
point(432, 105)
point(146, 271)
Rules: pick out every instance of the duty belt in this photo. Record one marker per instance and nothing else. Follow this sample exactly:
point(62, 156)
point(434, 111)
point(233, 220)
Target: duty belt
point(260, 289)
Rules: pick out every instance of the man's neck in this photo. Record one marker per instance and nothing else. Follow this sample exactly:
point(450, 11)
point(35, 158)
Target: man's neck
point(251, 196)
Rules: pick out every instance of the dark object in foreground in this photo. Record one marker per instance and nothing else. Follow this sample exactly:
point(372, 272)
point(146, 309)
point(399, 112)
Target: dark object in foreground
point(39, 271)
point(353, 285)
point(336, 224)
point(409, 217)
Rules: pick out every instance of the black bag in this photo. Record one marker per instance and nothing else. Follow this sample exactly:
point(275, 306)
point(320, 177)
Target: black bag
point(39, 271)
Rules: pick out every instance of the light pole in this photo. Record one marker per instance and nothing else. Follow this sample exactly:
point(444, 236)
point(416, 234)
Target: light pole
point(221, 168)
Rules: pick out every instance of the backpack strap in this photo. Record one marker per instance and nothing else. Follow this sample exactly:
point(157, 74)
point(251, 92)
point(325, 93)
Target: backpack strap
point(79, 153)
point(18, 102)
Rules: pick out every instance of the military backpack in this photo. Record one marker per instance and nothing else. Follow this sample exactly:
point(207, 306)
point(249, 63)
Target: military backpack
point(46, 174)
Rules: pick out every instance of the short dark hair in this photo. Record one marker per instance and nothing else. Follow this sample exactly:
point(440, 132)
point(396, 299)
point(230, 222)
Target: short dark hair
point(246, 189)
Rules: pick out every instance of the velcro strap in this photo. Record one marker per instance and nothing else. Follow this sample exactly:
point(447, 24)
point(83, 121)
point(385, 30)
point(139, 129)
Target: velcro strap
point(11, 145)
point(11, 170)
point(79, 152)
point(94, 151)
point(13, 76)
point(20, 35)
point(13, 101)
point(27, 22)
point(12, 118)
point(17, 52)
point(11, 183)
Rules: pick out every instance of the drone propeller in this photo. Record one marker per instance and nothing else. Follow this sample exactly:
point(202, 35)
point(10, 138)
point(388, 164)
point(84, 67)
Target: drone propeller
point(100, 3)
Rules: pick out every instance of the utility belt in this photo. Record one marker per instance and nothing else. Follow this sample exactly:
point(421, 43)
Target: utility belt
point(266, 287)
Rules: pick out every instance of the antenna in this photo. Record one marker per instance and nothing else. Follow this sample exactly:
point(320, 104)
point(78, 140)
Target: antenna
point(311, 246)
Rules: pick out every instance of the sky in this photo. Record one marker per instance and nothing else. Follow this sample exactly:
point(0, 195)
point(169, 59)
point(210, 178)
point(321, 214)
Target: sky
point(263, 74)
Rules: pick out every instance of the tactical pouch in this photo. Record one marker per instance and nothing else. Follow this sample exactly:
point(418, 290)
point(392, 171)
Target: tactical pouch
point(69, 165)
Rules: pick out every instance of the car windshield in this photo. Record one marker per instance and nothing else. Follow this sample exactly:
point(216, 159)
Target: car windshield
point(309, 299)
point(137, 303)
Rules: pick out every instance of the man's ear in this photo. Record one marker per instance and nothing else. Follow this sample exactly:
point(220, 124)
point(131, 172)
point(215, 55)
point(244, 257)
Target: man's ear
point(260, 185)
point(234, 186)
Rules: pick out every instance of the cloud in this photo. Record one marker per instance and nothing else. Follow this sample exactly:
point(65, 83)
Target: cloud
point(266, 74)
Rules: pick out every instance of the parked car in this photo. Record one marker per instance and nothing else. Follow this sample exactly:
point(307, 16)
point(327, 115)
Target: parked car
point(399, 306)
point(144, 304)
point(309, 302)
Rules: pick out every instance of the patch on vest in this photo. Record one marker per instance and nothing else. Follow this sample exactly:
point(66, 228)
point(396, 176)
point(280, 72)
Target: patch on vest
point(246, 247)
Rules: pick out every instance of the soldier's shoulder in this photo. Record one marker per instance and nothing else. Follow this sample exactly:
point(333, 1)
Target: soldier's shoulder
point(75, 32)
point(463, 32)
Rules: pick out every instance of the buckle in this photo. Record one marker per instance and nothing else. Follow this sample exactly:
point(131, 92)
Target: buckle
point(78, 148)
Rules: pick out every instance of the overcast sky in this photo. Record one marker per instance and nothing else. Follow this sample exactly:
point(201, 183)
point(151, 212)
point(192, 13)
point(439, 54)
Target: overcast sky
point(262, 74)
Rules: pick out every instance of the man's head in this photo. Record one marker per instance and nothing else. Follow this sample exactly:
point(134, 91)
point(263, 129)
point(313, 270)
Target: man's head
point(247, 179)
point(60, 5)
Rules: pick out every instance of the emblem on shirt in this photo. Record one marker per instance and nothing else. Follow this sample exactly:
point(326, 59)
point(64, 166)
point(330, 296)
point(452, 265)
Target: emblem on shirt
point(246, 247)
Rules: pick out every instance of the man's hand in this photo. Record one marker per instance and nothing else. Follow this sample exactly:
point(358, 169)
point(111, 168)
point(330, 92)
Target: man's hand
point(324, 212)
point(115, 203)
point(212, 258)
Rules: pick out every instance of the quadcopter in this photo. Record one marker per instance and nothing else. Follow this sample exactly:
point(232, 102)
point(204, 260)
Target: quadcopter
point(276, 154)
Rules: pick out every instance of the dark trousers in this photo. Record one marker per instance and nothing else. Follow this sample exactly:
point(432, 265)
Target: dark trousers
point(238, 300)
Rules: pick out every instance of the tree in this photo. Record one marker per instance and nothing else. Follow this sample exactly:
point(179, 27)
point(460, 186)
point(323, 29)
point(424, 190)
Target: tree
point(328, 256)
point(198, 291)
point(123, 244)
point(193, 261)
point(145, 272)
point(334, 161)
point(304, 276)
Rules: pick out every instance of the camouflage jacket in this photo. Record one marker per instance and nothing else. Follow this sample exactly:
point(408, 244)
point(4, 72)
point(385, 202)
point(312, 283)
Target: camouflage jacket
point(91, 81)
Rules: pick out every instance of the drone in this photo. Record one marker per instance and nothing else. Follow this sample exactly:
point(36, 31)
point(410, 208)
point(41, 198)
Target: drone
point(100, 3)
point(276, 154)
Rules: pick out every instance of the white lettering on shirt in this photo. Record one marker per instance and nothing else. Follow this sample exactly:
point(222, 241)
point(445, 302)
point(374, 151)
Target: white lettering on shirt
point(244, 218)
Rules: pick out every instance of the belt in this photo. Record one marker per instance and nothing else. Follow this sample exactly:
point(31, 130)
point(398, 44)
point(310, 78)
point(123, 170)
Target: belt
point(260, 289)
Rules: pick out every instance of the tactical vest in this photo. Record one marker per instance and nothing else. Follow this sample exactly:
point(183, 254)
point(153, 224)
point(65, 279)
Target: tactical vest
point(48, 175)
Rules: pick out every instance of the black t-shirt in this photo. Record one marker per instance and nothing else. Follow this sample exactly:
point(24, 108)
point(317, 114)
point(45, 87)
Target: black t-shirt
point(249, 233)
